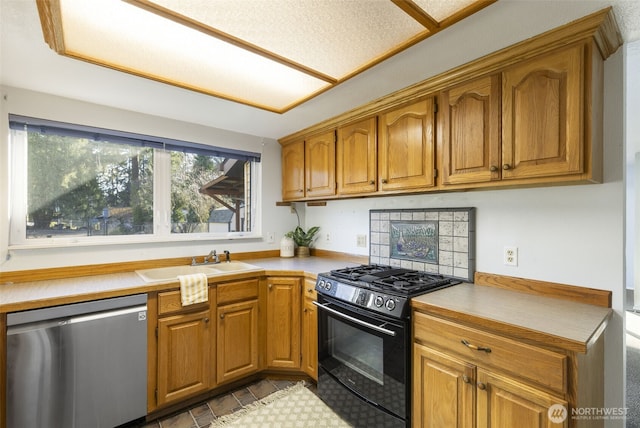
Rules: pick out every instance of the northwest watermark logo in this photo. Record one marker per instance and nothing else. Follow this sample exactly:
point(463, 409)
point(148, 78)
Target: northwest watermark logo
point(558, 413)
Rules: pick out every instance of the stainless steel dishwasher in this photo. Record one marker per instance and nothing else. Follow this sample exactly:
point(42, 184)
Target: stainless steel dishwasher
point(80, 365)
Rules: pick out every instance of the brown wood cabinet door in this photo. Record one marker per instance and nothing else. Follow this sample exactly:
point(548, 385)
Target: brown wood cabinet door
point(310, 339)
point(542, 116)
point(443, 390)
point(183, 356)
point(293, 171)
point(237, 341)
point(506, 403)
point(283, 322)
point(406, 147)
point(470, 121)
point(356, 160)
point(320, 165)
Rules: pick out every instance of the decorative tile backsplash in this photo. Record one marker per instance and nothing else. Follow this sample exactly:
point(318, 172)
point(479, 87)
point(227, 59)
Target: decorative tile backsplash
point(437, 240)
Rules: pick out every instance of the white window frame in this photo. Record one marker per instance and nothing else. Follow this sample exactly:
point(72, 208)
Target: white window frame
point(161, 207)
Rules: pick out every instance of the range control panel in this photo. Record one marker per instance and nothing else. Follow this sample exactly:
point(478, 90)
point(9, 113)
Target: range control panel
point(395, 306)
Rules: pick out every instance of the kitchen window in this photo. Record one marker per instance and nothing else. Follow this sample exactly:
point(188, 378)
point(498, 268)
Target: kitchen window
point(74, 184)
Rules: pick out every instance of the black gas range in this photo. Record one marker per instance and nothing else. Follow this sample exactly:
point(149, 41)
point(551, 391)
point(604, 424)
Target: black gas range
point(364, 341)
point(380, 288)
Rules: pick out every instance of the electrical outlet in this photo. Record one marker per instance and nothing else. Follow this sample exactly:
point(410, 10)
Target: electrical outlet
point(292, 208)
point(271, 237)
point(361, 240)
point(511, 256)
point(327, 237)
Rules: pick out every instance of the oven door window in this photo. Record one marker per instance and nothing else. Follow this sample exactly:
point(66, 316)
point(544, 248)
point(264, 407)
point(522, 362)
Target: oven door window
point(371, 363)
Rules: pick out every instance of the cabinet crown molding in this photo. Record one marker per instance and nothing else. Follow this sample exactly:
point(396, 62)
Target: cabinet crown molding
point(600, 28)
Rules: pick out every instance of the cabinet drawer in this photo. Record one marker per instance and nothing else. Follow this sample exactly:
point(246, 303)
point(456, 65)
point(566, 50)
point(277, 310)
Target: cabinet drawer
point(169, 302)
point(309, 289)
point(538, 365)
point(236, 291)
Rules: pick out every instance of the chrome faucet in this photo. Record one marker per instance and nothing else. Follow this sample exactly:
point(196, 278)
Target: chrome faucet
point(212, 254)
point(211, 258)
point(228, 254)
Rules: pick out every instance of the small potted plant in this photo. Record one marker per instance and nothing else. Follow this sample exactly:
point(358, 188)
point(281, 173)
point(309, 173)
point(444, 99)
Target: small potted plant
point(302, 239)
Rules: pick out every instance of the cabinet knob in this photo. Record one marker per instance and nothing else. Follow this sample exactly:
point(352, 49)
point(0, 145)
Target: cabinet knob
point(304, 310)
point(384, 180)
point(493, 168)
point(466, 379)
point(482, 386)
point(270, 286)
point(372, 182)
point(221, 316)
point(300, 190)
point(506, 166)
point(309, 290)
point(206, 319)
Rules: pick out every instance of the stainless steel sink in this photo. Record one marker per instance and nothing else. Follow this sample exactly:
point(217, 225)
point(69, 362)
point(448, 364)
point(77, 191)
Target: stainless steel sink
point(171, 272)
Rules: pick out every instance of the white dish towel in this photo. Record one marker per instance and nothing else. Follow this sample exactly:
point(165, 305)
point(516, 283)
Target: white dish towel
point(194, 288)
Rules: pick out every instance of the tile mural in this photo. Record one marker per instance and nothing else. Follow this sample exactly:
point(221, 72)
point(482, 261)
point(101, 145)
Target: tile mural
point(436, 240)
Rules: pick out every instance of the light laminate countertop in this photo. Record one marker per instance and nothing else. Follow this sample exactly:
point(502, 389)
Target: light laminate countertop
point(38, 294)
point(532, 318)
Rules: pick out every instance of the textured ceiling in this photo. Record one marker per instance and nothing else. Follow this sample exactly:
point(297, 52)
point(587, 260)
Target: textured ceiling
point(28, 68)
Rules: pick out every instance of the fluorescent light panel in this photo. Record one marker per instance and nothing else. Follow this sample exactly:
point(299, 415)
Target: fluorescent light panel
point(271, 54)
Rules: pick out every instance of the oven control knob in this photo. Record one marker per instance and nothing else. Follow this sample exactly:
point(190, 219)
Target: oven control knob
point(391, 304)
point(327, 286)
point(379, 301)
point(321, 283)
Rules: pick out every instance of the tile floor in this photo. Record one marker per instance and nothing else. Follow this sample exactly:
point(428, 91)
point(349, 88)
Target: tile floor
point(202, 414)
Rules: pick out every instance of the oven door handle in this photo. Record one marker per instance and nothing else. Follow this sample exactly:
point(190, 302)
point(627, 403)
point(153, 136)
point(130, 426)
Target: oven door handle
point(355, 320)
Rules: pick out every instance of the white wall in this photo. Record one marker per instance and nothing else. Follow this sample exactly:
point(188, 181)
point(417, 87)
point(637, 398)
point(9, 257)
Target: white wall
point(632, 163)
point(28, 103)
point(571, 235)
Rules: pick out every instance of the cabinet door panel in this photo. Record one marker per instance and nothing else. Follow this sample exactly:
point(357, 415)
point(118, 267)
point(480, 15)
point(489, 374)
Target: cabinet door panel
point(356, 168)
point(443, 390)
point(237, 340)
point(505, 403)
point(283, 322)
point(471, 132)
point(183, 357)
point(310, 339)
point(543, 116)
point(406, 150)
point(320, 165)
point(293, 171)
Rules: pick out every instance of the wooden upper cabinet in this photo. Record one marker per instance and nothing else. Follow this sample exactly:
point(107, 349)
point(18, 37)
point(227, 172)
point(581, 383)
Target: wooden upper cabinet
point(293, 170)
point(406, 147)
point(543, 103)
point(356, 161)
point(470, 132)
point(320, 165)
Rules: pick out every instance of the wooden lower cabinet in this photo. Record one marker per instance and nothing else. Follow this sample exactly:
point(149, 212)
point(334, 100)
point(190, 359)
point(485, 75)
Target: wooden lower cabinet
point(184, 357)
point(504, 403)
point(283, 322)
point(237, 340)
point(464, 376)
point(443, 395)
point(450, 392)
point(309, 331)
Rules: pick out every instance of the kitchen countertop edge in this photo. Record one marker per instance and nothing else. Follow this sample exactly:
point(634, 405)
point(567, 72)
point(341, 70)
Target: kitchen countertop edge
point(23, 296)
point(550, 322)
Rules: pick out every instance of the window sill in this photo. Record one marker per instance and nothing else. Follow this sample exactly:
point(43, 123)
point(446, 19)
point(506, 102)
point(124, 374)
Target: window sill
point(127, 240)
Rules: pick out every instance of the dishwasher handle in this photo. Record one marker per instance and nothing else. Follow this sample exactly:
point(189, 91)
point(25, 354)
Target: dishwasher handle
point(61, 322)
